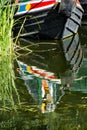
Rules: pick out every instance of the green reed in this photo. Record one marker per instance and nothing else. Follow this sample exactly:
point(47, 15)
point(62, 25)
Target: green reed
point(8, 91)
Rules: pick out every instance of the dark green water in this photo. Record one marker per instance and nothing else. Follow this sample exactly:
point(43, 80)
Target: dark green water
point(70, 113)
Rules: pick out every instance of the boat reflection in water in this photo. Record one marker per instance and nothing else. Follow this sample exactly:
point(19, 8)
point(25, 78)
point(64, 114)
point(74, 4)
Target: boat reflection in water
point(49, 68)
point(73, 55)
point(42, 85)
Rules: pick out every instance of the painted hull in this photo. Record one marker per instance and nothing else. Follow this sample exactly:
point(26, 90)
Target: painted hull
point(47, 19)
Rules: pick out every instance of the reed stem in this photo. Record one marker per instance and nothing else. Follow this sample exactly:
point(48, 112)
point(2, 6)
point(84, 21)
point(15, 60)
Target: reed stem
point(8, 90)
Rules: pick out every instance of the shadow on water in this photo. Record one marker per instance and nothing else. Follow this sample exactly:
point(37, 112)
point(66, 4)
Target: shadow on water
point(71, 111)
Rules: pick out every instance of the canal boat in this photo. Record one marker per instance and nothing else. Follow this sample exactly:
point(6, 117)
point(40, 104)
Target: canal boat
point(47, 19)
point(84, 6)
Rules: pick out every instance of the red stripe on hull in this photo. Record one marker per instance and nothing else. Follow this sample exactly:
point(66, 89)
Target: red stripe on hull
point(42, 4)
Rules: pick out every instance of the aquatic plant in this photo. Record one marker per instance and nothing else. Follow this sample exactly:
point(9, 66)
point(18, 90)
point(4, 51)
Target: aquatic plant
point(8, 91)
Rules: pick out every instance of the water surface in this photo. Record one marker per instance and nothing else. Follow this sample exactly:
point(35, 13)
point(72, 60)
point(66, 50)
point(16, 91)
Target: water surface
point(70, 112)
